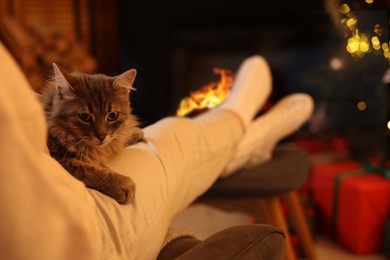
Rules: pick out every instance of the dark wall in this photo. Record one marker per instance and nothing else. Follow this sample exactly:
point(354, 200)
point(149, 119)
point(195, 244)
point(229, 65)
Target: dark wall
point(104, 35)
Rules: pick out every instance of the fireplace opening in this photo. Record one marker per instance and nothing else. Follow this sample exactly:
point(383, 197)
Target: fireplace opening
point(175, 46)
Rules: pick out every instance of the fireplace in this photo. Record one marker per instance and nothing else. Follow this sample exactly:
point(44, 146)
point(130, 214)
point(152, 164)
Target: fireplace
point(175, 47)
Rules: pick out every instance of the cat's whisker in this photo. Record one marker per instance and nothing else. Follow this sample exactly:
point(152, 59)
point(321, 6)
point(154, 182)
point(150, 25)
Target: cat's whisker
point(85, 150)
point(125, 140)
point(81, 153)
point(53, 145)
point(69, 152)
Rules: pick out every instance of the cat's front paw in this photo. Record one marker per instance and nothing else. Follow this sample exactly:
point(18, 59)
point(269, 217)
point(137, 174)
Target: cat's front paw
point(124, 189)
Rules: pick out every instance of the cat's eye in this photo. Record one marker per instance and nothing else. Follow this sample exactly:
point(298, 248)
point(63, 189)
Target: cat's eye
point(112, 116)
point(85, 117)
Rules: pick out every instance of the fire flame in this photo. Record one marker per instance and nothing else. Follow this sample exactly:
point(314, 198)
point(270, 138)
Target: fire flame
point(208, 96)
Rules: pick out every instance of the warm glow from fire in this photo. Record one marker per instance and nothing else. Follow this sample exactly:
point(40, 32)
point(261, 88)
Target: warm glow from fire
point(208, 96)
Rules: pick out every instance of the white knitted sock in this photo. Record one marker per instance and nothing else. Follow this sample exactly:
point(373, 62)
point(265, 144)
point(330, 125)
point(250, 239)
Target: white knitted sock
point(250, 90)
point(261, 136)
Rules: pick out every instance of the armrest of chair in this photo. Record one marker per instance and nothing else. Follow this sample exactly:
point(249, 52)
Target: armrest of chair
point(286, 171)
point(256, 241)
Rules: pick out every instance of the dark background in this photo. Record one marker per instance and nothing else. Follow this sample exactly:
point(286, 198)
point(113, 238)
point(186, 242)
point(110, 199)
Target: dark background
point(175, 45)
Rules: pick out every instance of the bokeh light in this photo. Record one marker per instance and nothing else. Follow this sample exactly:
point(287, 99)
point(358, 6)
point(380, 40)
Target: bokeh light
point(378, 29)
point(359, 44)
point(351, 22)
point(361, 105)
point(344, 9)
point(336, 63)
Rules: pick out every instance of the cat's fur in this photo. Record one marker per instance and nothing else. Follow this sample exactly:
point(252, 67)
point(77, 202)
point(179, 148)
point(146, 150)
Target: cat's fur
point(89, 121)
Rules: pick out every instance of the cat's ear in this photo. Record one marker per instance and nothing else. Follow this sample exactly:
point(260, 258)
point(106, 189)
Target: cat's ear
point(62, 79)
point(125, 81)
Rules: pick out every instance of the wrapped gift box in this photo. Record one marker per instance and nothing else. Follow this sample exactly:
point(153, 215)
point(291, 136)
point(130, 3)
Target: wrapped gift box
point(323, 180)
point(352, 205)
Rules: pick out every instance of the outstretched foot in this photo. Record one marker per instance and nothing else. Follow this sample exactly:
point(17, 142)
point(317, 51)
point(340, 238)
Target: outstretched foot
point(251, 88)
point(261, 136)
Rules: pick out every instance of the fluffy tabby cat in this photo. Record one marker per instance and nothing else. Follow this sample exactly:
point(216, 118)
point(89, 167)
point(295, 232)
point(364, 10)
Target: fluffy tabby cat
point(89, 120)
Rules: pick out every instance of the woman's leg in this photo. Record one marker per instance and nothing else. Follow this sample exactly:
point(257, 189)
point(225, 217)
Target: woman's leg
point(181, 159)
point(43, 203)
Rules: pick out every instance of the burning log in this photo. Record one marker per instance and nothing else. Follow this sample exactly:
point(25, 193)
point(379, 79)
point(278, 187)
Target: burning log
point(208, 96)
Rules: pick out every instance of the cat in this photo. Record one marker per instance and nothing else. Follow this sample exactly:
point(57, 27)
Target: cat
point(89, 120)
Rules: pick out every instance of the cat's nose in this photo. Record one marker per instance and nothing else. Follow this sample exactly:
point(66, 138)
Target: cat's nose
point(101, 137)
